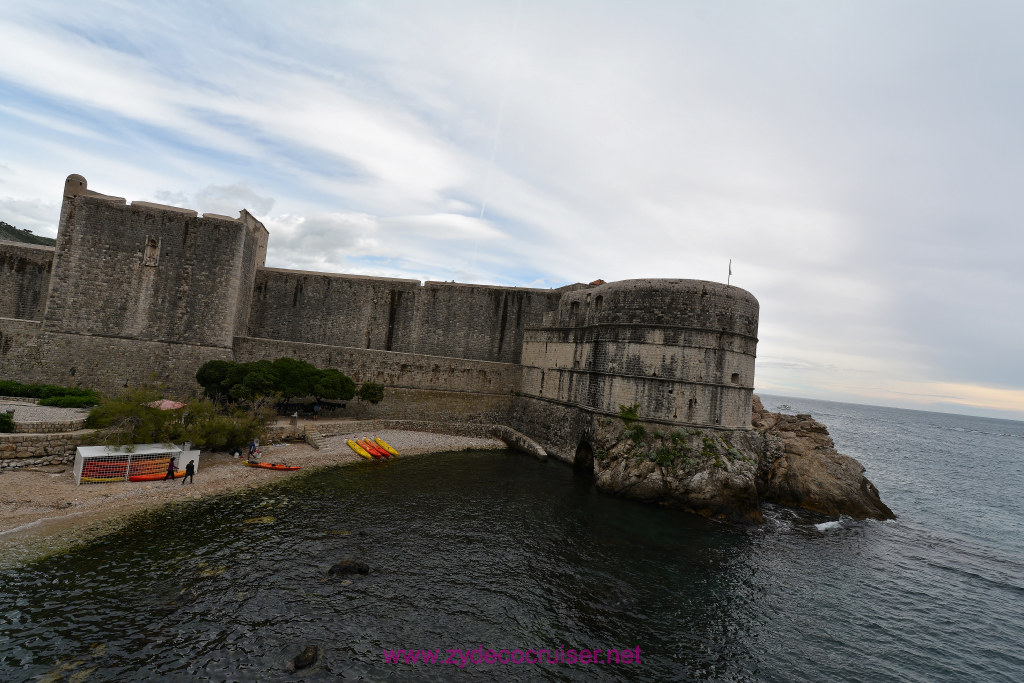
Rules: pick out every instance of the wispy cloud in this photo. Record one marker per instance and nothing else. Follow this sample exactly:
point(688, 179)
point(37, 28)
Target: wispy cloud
point(223, 199)
point(865, 195)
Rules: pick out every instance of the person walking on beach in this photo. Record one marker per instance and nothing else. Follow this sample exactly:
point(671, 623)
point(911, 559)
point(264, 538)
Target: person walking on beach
point(170, 470)
point(190, 470)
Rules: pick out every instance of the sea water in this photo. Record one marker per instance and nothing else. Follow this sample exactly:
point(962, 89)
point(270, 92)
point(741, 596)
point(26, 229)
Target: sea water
point(495, 551)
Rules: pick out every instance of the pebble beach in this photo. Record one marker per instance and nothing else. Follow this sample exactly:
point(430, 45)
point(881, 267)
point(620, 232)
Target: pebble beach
point(43, 511)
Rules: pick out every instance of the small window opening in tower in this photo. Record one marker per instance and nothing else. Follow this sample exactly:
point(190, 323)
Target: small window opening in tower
point(735, 378)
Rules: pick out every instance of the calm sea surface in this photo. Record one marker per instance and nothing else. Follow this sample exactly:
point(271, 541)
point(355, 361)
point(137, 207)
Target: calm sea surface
point(495, 549)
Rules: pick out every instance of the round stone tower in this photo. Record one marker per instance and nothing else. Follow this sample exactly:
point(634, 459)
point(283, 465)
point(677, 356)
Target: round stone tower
point(75, 185)
point(682, 349)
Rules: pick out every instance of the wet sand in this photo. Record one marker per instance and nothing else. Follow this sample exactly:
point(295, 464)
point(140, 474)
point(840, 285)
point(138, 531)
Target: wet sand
point(43, 511)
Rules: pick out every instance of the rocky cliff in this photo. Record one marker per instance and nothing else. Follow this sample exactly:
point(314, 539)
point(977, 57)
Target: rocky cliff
point(799, 467)
point(789, 460)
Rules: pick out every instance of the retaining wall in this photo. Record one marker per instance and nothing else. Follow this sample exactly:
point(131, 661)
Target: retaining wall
point(31, 450)
point(107, 364)
point(48, 427)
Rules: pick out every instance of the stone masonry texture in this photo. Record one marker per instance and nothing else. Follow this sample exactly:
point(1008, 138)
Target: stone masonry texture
point(25, 274)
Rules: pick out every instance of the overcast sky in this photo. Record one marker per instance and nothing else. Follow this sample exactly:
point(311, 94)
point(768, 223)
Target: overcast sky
point(859, 161)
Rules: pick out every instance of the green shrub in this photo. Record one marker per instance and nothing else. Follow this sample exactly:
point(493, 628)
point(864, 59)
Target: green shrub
point(6, 422)
point(635, 433)
point(335, 385)
point(663, 455)
point(126, 419)
point(371, 392)
point(43, 391)
point(669, 454)
point(210, 427)
point(629, 414)
point(70, 401)
point(678, 440)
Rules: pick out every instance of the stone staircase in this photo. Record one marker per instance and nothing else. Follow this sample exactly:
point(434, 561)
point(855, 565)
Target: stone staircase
point(314, 438)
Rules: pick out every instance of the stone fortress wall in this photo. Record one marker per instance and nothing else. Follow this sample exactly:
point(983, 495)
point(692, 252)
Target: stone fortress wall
point(475, 322)
point(25, 274)
point(140, 292)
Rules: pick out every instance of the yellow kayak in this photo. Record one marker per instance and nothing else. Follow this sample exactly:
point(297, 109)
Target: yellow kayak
point(384, 444)
point(358, 449)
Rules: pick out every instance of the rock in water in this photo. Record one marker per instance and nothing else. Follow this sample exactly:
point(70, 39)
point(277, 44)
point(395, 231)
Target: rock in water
point(800, 468)
point(706, 473)
point(348, 567)
point(726, 495)
point(725, 475)
point(829, 483)
point(305, 659)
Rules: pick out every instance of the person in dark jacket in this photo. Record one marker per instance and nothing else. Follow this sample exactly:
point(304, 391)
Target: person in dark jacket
point(190, 470)
point(170, 470)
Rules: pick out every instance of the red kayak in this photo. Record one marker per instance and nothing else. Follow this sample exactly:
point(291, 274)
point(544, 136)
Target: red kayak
point(369, 449)
point(272, 466)
point(156, 477)
point(373, 449)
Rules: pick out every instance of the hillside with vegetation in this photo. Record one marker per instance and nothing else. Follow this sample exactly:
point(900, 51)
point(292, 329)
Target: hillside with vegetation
point(12, 234)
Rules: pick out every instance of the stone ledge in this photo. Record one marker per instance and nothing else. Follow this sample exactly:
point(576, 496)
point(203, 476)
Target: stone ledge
point(48, 427)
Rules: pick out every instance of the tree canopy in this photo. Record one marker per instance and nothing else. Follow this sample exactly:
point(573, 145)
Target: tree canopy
point(285, 378)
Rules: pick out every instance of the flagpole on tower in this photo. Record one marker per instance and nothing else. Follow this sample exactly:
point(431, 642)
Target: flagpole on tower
point(729, 279)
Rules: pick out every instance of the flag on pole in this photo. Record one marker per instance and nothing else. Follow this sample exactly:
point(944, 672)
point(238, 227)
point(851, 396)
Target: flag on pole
point(729, 279)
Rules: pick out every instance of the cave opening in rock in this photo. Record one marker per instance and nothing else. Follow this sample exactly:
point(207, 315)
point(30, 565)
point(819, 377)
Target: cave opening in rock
point(584, 460)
